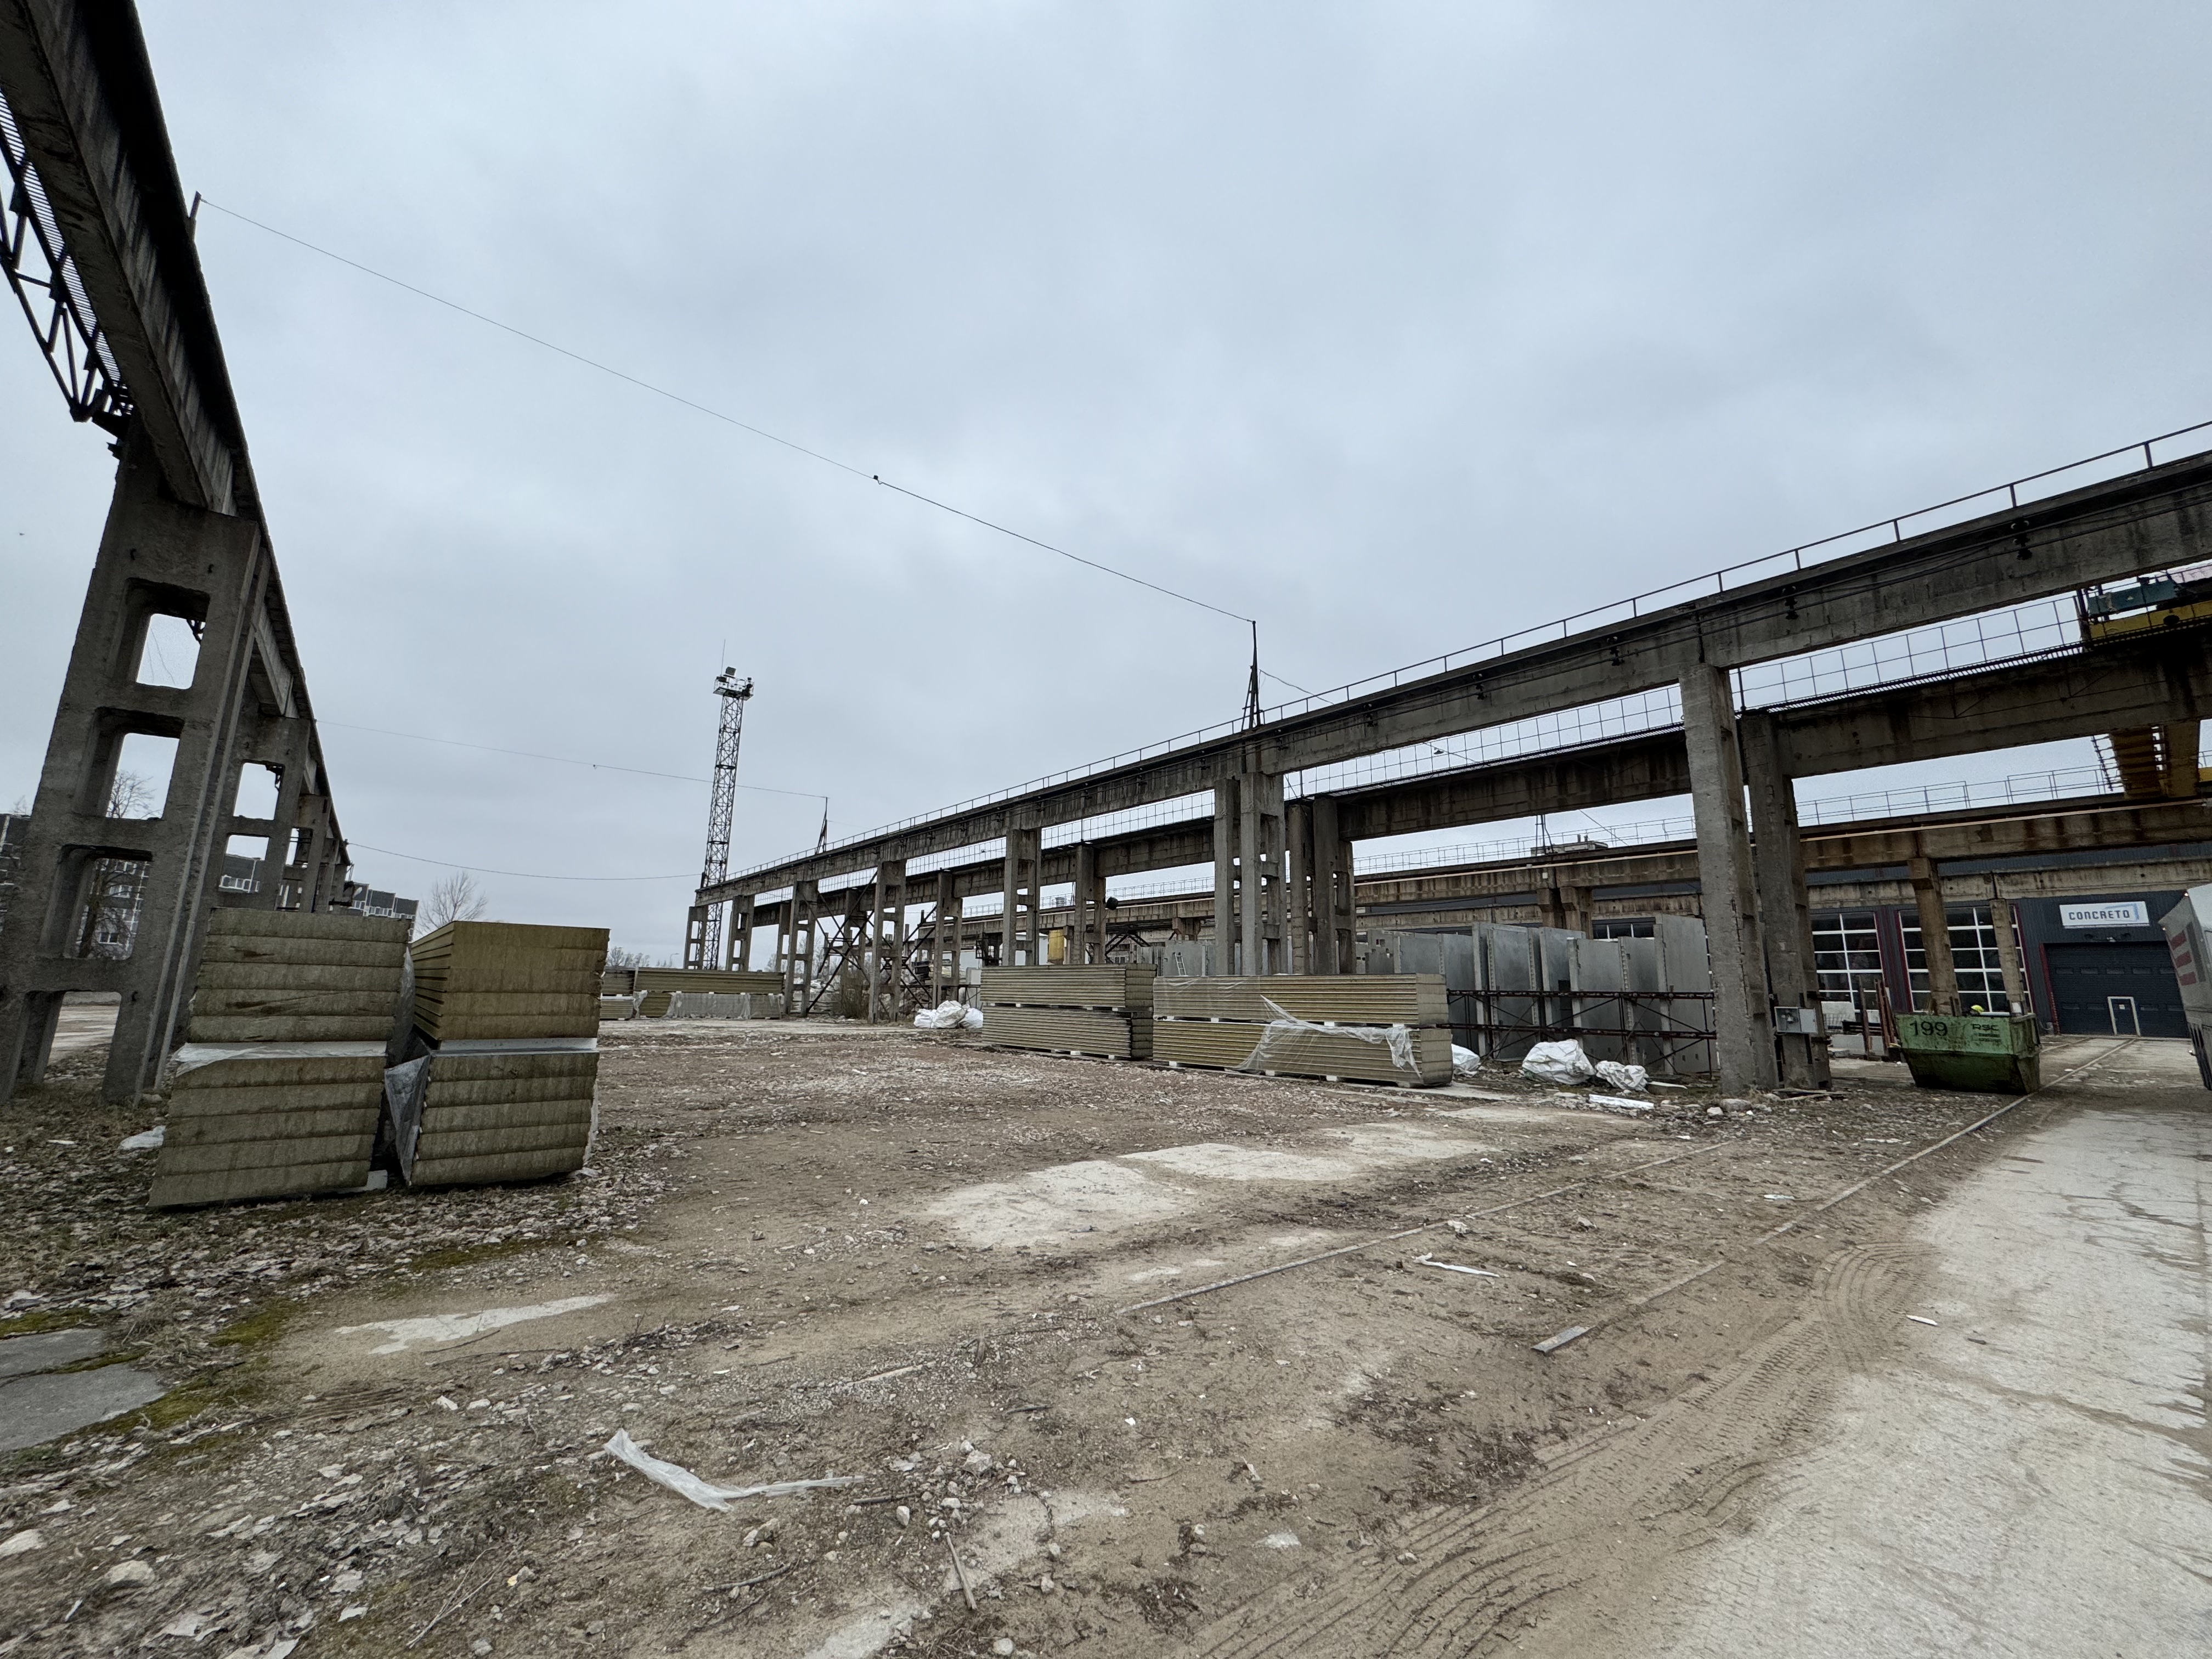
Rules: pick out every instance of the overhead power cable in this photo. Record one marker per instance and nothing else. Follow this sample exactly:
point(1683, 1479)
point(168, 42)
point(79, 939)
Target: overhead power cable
point(522, 875)
point(730, 420)
point(564, 760)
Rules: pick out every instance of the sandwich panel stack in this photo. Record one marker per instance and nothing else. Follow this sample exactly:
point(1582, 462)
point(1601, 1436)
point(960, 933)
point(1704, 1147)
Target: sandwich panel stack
point(657, 984)
point(495, 979)
point(277, 1088)
point(503, 1116)
point(1222, 1022)
point(1105, 1009)
point(510, 1017)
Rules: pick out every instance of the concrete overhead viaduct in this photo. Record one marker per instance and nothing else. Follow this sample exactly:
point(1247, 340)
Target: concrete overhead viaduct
point(97, 248)
point(1282, 891)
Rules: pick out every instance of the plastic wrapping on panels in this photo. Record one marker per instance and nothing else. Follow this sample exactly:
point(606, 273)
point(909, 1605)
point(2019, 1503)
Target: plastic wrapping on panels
point(1268, 1054)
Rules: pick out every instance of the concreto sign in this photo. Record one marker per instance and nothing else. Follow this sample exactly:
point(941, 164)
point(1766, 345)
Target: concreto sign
point(2129, 912)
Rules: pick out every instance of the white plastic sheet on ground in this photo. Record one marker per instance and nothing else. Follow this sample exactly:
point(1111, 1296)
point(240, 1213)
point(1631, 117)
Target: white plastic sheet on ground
point(1464, 1062)
point(1398, 1038)
point(1559, 1062)
point(1629, 1080)
point(705, 1494)
point(949, 1017)
point(147, 1142)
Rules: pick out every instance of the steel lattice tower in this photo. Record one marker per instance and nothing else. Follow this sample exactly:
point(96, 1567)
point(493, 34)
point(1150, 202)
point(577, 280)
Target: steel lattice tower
point(707, 950)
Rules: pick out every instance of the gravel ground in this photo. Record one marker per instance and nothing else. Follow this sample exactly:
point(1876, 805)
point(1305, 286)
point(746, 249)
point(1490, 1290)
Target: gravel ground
point(803, 1253)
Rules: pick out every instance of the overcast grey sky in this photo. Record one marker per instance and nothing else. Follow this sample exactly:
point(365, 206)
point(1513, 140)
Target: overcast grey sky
point(1396, 325)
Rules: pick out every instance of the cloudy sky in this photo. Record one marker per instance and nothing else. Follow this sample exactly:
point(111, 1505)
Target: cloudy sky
point(1398, 326)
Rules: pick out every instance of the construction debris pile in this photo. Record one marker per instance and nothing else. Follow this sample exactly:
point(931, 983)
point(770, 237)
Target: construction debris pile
point(1370, 1028)
point(1105, 1011)
point(281, 1079)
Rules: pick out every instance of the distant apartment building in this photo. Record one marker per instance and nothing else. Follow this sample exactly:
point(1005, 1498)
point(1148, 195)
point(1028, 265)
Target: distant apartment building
point(243, 875)
point(110, 922)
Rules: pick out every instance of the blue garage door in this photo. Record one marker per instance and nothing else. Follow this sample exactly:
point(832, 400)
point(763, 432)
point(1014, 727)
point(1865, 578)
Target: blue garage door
point(2085, 977)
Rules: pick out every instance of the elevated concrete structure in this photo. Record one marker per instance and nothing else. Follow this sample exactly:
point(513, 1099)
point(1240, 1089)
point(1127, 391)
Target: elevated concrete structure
point(184, 538)
point(1736, 765)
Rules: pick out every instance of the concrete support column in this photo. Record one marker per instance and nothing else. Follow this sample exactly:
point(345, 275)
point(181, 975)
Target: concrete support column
point(1934, 935)
point(1744, 1029)
point(886, 940)
point(737, 941)
point(287, 744)
point(1249, 889)
point(322, 854)
point(157, 558)
point(2008, 962)
point(798, 953)
point(1299, 898)
point(1024, 944)
point(945, 942)
point(1566, 906)
point(1785, 915)
point(1086, 910)
point(1335, 915)
point(1318, 890)
point(1261, 846)
point(1224, 875)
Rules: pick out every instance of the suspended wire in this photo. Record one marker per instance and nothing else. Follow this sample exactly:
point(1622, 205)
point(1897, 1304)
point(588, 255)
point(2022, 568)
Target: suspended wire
point(565, 760)
point(520, 875)
point(716, 414)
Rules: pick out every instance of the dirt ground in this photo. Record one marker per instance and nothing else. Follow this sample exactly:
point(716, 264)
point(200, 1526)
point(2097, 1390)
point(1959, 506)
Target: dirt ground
point(806, 1251)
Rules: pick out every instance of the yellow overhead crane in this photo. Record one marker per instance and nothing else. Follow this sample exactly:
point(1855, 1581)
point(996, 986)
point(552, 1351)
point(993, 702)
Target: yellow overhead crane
point(2154, 761)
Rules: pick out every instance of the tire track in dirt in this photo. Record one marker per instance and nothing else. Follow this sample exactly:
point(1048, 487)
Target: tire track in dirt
point(1706, 1463)
point(1614, 1508)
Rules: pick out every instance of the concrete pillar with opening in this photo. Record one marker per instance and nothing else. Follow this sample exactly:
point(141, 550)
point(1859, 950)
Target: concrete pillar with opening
point(1744, 1029)
point(1785, 916)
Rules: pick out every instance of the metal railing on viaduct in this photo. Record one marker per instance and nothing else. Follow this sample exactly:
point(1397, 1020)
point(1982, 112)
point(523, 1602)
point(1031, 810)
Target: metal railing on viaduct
point(1282, 857)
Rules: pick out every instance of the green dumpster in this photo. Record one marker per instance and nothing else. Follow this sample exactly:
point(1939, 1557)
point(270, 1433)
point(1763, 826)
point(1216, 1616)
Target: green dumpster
point(1996, 1052)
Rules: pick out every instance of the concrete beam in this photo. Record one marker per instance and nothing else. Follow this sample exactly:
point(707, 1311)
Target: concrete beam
point(2153, 520)
point(78, 79)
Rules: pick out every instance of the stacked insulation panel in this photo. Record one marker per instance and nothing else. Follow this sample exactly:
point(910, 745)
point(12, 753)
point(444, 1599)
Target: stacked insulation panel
point(278, 1087)
point(657, 984)
point(1222, 1022)
point(1105, 1011)
point(510, 1017)
point(650, 988)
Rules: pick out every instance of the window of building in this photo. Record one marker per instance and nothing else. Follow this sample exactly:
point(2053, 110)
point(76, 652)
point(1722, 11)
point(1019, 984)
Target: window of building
point(1973, 949)
point(1622, 927)
point(1847, 958)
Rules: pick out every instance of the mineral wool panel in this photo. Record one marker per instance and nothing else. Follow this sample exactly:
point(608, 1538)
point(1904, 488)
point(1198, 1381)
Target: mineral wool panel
point(504, 1117)
point(262, 1127)
point(1230, 1044)
point(1070, 1030)
point(1344, 998)
point(1112, 985)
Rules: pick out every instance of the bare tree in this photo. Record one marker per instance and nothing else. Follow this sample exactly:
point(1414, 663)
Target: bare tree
point(455, 897)
point(115, 889)
point(620, 956)
point(128, 796)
